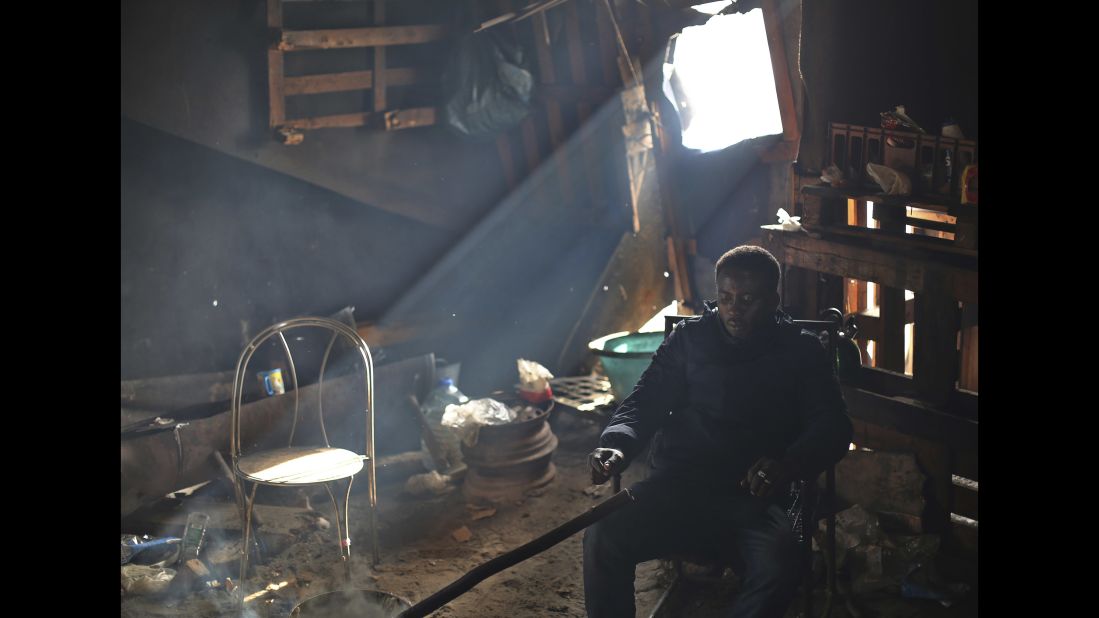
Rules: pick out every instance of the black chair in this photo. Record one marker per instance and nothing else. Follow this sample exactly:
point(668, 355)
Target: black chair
point(805, 501)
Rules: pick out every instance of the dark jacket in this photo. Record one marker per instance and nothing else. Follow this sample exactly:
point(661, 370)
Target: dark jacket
point(722, 405)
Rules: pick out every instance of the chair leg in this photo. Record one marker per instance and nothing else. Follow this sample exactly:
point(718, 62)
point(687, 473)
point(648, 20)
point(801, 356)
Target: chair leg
point(346, 540)
point(339, 521)
point(250, 503)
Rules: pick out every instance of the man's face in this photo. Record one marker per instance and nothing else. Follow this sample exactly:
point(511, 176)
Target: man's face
point(745, 302)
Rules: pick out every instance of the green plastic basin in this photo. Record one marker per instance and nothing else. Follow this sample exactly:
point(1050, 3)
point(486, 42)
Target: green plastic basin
point(625, 357)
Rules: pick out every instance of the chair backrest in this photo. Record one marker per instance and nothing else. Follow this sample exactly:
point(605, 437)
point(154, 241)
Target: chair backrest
point(335, 330)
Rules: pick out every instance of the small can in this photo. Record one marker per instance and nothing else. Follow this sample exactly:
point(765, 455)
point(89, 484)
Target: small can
point(193, 535)
point(969, 185)
point(272, 382)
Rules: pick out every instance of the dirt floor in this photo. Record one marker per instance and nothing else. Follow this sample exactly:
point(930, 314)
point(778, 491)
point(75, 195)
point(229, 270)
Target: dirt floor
point(420, 554)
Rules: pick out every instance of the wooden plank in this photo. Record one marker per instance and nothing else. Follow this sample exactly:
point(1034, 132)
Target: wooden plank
point(927, 202)
point(397, 119)
point(325, 122)
point(340, 38)
point(964, 502)
point(928, 224)
point(530, 143)
point(850, 260)
point(352, 80)
point(935, 355)
point(574, 42)
point(568, 94)
point(885, 382)
point(607, 45)
point(276, 96)
point(934, 458)
point(548, 75)
point(969, 374)
point(274, 14)
point(890, 348)
point(911, 417)
point(964, 463)
point(791, 130)
point(276, 100)
point(890, 241)
point(507, 161)
point(380, 103)
point(175, 392)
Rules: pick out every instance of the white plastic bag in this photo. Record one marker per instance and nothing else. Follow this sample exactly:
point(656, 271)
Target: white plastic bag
point(532, 376)
point(468, 417)
point(891, 181)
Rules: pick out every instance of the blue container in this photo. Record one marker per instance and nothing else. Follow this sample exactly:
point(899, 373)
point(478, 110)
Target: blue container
point(625, 357)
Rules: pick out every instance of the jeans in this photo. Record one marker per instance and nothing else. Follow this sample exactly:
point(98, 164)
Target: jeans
point(671, 518)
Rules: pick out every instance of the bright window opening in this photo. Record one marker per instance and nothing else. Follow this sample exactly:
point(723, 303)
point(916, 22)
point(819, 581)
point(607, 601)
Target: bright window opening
point(722, 83)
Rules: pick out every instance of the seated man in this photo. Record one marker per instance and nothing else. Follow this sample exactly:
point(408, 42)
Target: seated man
point(747, 402)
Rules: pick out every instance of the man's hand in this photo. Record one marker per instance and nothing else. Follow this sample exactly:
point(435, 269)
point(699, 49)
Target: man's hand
point(765, 475)
point(605, 463)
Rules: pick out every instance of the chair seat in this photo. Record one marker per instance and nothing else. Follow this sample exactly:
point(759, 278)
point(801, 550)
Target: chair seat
point(299, 465)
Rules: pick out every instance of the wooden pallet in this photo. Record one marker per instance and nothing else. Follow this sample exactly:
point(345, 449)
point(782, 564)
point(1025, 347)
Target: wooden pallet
point(379, 79)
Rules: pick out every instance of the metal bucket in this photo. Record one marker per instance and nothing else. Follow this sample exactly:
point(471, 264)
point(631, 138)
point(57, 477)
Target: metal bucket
point(509, 459)
point(351, 604)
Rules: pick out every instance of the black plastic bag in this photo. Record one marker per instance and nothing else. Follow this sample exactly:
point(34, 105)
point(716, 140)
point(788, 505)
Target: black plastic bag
point(488, 85)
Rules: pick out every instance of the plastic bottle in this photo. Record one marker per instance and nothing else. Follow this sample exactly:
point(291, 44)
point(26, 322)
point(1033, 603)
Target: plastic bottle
point(443, 395)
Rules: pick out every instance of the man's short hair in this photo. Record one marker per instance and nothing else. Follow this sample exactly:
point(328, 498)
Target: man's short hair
point(753, 259)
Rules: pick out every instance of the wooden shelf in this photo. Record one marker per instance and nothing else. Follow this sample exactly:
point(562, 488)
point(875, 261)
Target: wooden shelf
point(854, 258)
point(929, 202)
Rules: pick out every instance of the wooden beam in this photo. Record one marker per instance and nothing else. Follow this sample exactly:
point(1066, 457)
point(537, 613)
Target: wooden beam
point(607, 45)
point(911, 417)
point(275, 97)
point(926, 202)
point(930, 225)
point(339, 38)
point(791, 131)
point(352, 80)
point(325, 122)
point(935, 352)
point(175, 392)
point(885, 382)
point(275, 89)
point(574, 42)
point(847, 259)
point(380, 103)
point(396, 119)
point(507, 160)
point(548, 75)
point(274, 14)
point(916, 245)
point(568, 94)
point(530, 143)
point(964, 501)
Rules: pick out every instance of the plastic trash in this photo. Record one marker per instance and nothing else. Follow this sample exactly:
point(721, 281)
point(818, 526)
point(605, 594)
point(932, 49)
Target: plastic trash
point(488, 85)
point(534, 381)
point(146, 551)
point(468, 417)
point(139, 579)
point(434, 407)
point(891, 181)
point(430, 483)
